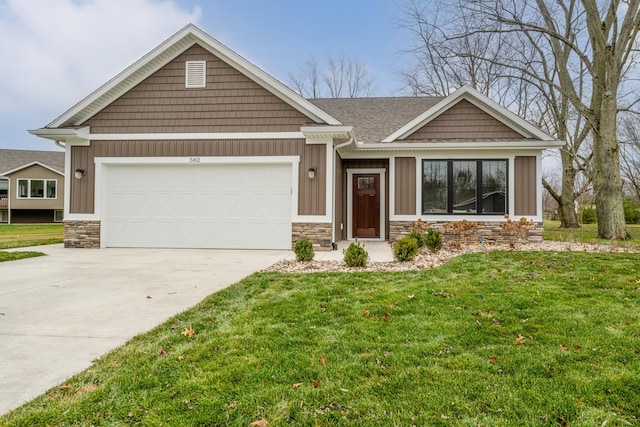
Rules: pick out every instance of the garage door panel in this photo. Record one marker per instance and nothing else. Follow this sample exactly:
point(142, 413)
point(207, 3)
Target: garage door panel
point(204, 206)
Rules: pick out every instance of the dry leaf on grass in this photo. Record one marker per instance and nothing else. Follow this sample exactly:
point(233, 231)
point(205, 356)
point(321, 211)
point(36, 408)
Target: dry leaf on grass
point(188, 332)
point(260, 423)
point(519, 340)
point(297, 385)
point(563, 347)
point(493, 359)
point(323, 361)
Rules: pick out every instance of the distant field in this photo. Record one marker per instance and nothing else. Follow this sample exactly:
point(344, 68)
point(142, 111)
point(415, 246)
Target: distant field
point(23, 235)
point(588, 233)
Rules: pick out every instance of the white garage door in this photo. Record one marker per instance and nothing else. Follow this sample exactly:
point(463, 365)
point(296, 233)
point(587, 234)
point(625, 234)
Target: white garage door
point(226, 206)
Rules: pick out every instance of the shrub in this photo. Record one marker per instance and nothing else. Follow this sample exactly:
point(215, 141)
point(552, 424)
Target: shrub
point(406, 248)
point(304, 250)
point(459, 232)
point(433, 240)
point(516, 231)
point(419, 237)
point(631, 212)
point(355, 255)
point(589, 216)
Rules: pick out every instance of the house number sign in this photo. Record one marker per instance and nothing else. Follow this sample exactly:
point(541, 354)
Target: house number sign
point(194, 159)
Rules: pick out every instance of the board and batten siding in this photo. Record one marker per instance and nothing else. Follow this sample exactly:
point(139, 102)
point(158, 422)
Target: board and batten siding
point(405, 186)
point(340, 227)
point(464, 121)
point(230, 102)
point(525, 186)
point(311, 192)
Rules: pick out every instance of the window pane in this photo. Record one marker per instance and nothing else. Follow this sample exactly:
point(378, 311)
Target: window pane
point(51, 189)
point(494, 186)
point(23, 188)
point(464, 186)
point(434, 186)
point(37, 188)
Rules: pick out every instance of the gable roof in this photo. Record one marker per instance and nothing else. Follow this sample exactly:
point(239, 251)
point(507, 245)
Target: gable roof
point(481, 101)
point(14, 160)
point(19, 168)
point(162, 55)
point(375, 118)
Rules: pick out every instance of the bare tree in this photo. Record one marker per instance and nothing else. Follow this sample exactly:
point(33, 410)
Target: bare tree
point(341, 77)
point(604, 50)
point(630, 153)
point(307, 81)
point(450, 51)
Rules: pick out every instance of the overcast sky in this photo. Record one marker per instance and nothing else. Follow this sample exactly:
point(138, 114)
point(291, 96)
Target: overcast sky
point(56, 52)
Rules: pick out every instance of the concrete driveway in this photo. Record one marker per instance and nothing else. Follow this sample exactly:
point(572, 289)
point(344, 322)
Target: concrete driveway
point(61, 311)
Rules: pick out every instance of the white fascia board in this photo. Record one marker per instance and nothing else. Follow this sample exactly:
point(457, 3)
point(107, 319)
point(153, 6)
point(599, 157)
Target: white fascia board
point(169, 50)
point(36, 163)
point(192, 136)
point(485, 145)
point(327, 132)
point(479, 100)
point(68, 136)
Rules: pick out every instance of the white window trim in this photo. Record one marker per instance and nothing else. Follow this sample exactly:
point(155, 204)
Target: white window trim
point(350, 173)
point(18, 196)
point(193, 78)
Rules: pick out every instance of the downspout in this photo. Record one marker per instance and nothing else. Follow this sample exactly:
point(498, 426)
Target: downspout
point(334, 245)
point(9, 201)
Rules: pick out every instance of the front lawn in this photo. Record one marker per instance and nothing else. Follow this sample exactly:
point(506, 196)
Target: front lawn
point(24, 235)
point(500, 339)
point(588, 233)
point(12, 256)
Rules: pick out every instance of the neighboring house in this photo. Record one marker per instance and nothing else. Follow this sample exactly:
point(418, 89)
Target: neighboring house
point(195, 147)
point(31, 186)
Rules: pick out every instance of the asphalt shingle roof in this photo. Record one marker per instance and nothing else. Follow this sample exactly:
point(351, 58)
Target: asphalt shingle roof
point(373, 119)
point(12, 159)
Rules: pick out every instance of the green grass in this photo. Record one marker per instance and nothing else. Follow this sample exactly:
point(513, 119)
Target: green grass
point(12, 256)
point(413, 348)
point(588, 233)
point(24, 235)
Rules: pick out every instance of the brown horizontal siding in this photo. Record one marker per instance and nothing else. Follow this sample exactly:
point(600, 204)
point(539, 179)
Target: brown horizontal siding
point(311, 192)
point(525, 185)
point(405, 186)
point(464, 121)
point(230, 102)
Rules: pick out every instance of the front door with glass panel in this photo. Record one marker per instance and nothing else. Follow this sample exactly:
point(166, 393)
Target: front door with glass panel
point(366, 206)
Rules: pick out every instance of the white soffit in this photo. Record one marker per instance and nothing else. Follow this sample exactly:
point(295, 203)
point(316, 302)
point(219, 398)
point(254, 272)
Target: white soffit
point(481, 101)
point(165, 53)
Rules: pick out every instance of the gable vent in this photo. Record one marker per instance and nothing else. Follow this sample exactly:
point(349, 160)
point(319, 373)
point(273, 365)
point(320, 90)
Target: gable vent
point(196, 74)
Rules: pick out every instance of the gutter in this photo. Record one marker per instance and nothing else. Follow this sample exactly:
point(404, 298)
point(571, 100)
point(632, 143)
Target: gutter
point(334, 245)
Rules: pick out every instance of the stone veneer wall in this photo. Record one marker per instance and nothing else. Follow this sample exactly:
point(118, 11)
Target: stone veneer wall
point(318, 232)
point(489, 231)
point(82, 234)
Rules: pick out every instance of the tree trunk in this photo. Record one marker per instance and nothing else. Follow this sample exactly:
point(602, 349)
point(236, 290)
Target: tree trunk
point(567, 202)
point(607, 183)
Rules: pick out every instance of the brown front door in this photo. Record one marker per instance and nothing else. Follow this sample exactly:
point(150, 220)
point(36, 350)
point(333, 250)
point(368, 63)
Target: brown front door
point(366, 205)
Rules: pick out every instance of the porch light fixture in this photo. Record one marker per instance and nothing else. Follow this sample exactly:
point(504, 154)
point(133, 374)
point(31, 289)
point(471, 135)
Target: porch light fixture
point(312, 173)
point(79, 173)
